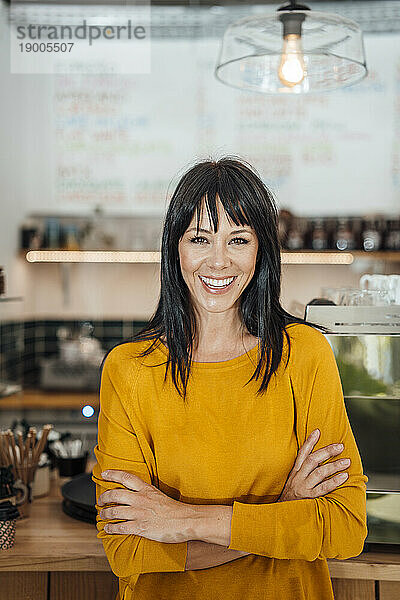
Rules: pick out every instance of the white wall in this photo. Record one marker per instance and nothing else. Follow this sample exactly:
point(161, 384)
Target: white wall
point(98, 291)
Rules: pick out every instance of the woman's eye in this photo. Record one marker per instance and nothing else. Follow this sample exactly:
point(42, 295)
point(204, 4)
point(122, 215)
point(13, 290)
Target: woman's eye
point(199, 240)
point(194, 240)
point(241, 240)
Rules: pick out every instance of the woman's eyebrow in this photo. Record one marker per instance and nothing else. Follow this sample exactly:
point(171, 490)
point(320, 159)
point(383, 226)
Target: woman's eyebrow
point(208, 231)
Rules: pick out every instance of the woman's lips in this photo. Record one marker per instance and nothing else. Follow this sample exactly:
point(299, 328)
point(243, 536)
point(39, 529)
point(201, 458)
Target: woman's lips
point(216, 291)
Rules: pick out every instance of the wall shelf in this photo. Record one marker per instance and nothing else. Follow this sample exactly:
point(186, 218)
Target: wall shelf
point(143, 256)
point(91, 256)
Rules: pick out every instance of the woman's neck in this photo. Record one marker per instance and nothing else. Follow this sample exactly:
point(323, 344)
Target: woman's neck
point(214, 348)
point(204, 352)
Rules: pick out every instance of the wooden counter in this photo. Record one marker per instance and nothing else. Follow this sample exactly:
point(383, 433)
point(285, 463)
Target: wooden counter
point(56, 557)
point(50, 540)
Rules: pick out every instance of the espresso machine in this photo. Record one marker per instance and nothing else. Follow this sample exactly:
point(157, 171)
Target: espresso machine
point(366, 344)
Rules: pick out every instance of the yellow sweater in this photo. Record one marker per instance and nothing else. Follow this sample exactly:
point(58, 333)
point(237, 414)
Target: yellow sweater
point(229, 446)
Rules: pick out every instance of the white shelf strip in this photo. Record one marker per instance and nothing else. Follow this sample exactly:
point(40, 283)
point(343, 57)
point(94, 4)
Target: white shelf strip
point(116, 256)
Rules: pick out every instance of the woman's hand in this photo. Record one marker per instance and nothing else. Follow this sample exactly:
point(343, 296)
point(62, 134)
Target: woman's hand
point(307, 479)
point(145, 509)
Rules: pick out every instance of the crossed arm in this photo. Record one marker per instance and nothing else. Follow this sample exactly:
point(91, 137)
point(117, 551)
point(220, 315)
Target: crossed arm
point(155, 516)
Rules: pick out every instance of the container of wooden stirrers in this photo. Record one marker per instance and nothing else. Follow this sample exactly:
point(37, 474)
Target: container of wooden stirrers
point(24, 458)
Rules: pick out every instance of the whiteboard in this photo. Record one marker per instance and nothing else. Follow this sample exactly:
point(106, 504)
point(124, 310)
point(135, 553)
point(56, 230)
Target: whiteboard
point(123, 141)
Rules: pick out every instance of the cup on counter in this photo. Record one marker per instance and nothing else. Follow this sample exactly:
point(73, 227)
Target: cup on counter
point(71, 465)
point(369, 298)
point(41, 482)
point(358, 297)
point(8, 515)
point(346, 294)
point(394, 288)
point(382, 283)
point(340, 296)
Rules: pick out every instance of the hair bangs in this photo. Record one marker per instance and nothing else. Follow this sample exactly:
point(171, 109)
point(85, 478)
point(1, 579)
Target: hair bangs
point(230, 200)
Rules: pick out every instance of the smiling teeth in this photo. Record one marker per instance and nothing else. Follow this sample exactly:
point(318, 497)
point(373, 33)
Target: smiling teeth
point(217, 282)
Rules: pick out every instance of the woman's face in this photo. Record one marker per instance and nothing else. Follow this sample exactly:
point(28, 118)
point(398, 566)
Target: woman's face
point(217, 266)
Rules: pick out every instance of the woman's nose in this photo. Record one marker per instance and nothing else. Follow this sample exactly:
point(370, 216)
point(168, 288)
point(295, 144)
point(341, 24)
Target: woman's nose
point(218, 255)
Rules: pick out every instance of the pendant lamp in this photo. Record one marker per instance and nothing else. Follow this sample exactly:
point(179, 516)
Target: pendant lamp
point(292, 51)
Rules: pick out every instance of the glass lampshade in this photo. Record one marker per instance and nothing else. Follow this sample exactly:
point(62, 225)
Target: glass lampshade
point(331, 53)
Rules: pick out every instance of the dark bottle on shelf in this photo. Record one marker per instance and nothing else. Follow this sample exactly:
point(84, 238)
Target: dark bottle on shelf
point(357, 227)
point(319, 235)
point(371, 235)
point(30, 236)
point(392, 234)
point(344, 238)
point(330, 229)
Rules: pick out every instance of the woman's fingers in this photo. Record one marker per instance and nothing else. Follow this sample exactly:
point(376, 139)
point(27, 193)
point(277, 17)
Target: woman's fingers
point(308, 477)
point(319, 456)
point(306, 449)
point(118, 495)
point(328, 485)
point(119, 512)
point(321, 473)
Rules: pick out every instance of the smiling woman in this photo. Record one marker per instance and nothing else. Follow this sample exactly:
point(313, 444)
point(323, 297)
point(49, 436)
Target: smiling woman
point(202, 458)
point(217, 199)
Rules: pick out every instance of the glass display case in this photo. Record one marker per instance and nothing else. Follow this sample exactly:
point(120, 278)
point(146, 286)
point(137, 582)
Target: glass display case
point(366, 344)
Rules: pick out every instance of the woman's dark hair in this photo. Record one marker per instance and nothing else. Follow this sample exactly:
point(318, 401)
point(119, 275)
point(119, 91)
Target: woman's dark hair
point(247, 201)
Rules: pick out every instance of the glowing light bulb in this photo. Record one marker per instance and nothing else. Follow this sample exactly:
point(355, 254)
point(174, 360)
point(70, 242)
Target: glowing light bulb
point(292, 69)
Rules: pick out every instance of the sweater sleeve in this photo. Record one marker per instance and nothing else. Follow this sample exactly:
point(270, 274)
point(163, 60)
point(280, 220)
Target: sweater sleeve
point(118, 448)
point(331, 526)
